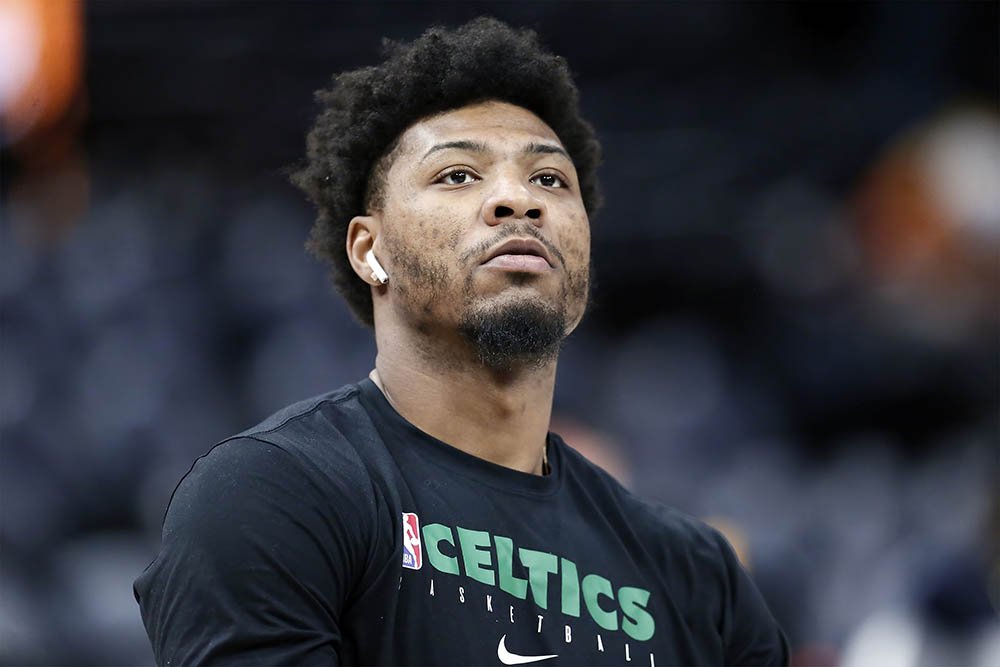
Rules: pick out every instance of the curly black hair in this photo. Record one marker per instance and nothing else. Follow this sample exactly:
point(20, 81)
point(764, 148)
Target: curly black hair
point(350, 146)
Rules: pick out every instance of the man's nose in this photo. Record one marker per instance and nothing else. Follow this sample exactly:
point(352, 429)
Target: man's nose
point(511, 201)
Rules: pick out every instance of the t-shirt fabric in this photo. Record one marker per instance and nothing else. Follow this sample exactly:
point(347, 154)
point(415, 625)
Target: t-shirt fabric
point(336, 532)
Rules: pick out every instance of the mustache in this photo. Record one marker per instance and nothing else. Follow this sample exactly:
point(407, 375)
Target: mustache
point(528, 230)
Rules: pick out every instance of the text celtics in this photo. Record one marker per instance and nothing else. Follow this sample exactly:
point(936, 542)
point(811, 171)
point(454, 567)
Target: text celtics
point(478, 550)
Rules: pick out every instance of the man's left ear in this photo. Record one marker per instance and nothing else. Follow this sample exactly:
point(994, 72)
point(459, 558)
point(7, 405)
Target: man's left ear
point(362, 233)
point(378, 273)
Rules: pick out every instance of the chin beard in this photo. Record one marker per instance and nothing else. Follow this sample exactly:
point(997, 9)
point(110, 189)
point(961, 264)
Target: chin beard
point(509, 336)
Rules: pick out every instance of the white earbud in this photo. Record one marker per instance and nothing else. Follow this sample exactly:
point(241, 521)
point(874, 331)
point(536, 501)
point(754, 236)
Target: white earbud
point(378, 273)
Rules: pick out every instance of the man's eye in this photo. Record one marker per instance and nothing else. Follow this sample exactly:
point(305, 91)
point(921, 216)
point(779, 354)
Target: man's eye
point(457, 177)
point(549, 181)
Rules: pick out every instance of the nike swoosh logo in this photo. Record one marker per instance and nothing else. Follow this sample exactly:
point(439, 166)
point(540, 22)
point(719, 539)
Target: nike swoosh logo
point(508, 658)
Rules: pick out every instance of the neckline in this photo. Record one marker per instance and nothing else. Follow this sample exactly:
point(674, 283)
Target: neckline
point(393, 425)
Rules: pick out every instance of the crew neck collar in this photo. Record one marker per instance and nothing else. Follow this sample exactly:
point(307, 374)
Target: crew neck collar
point(393, 425)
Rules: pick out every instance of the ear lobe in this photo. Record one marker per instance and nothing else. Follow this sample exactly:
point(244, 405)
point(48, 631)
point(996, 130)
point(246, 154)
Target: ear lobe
point(361, 235)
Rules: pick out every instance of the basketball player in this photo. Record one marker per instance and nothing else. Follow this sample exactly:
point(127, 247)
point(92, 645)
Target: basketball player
point(425, 515)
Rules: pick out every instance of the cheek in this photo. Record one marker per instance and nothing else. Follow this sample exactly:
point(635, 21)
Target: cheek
point(425, 229)
point(422, 239)
point(442, 229)
point(428, 231)
point(576, 241)
point(441, 233)
point(576, 252)
point(454, 238)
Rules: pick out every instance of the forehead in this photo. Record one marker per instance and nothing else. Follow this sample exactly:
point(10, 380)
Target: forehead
point(489, 122)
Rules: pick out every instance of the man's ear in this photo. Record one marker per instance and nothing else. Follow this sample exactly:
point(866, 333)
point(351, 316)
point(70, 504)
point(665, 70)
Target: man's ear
point(362, 233)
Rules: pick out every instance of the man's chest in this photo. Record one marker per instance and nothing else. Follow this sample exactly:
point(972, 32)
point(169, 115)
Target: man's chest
point(493, 580)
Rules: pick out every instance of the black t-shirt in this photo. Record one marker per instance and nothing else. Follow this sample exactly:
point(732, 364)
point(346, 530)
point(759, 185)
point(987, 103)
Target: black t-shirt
point(336, 532)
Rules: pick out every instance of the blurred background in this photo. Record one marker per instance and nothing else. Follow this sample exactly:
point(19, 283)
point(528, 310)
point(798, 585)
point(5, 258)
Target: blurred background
point(795, 329)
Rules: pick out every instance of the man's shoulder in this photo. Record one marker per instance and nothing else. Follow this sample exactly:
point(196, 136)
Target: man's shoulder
point(679, 530)
point(653, 522)
point(317, 415)
point(323, 438)
point(332, 429)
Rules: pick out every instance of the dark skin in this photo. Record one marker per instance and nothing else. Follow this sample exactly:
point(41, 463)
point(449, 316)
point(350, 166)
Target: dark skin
point(461, 184)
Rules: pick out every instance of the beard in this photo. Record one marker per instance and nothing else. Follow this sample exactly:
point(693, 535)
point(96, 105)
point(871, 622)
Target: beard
point(507, 336)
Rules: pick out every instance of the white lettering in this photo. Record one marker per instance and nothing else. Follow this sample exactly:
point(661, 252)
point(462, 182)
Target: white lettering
point(628, 658)
point(461, 595)
point(539, 623)
point(600, 644)
point(400, 584)
point(652, 663)
point(489, 602)
point(512, 613)
point(432, 587)
point(569, 634)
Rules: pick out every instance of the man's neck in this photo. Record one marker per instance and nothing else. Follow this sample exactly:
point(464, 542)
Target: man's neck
point(500, 417)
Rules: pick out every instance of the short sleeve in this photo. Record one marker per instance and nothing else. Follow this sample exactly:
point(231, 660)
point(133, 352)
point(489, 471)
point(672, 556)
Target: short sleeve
point(749, 631)
point(256, 562)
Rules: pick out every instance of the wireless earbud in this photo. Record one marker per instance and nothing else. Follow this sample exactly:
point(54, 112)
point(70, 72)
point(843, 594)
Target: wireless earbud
point(378, 273)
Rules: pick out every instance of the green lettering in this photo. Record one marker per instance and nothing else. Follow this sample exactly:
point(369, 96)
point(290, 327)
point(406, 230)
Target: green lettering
point(636, 622)
point(434, 534)
point(540, 565)
point(594, 585)
point(570, 588)
point(476, 555)
point(505, 567)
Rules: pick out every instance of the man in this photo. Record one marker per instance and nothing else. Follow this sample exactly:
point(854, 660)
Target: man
point(425, 515)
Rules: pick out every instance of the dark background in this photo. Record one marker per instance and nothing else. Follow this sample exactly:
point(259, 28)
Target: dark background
point(794, 332)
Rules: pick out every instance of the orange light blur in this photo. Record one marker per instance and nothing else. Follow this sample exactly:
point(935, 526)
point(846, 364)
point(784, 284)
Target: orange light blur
point(46, 38)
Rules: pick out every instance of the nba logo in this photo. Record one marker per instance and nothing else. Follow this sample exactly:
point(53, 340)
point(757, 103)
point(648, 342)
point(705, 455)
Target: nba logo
point(411, 541)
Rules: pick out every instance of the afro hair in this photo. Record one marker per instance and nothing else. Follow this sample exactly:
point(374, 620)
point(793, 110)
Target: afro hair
point(366, 110)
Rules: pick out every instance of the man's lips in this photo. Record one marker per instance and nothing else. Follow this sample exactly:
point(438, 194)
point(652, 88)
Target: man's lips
point(527, 255)
point(523, 263)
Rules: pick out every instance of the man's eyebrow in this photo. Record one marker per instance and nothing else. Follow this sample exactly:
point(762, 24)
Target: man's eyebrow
point(462, 144)
point(545, 149)
point(480, 147)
